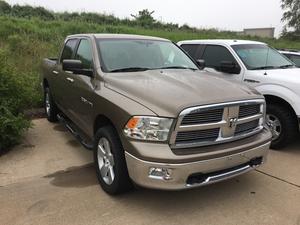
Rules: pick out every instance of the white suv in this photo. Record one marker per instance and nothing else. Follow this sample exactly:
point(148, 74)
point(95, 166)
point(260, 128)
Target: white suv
point(259, 66)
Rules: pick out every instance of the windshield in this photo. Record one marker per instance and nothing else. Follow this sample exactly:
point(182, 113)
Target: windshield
point(258, 56)
point(119, 55)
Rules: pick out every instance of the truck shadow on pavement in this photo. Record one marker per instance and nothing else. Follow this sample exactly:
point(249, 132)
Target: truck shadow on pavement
point(74, 177)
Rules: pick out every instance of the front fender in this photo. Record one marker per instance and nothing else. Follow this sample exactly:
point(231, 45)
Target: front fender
point(117, 108)
point(282, 92)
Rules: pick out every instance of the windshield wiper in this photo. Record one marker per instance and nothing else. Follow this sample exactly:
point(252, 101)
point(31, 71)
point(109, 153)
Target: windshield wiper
point(264, 68)
point(286, 66)
point(129, 69)
point(177, 67)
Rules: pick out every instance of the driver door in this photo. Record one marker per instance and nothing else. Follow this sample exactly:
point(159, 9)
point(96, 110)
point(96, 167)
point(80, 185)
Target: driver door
point(82, 88)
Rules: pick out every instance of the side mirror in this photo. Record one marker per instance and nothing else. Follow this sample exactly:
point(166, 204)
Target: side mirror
point(76, 67)
point(230, 67)
point(201, 63)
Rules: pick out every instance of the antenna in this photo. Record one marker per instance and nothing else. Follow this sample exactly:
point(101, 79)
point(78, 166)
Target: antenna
point(267, 59)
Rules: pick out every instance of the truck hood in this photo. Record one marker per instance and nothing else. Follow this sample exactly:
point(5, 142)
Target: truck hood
point(288, 78)
point(168, 92)
point(290, 74)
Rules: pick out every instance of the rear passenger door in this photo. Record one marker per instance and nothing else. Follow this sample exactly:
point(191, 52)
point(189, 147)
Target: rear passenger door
point(213, 55)
point(60, 82)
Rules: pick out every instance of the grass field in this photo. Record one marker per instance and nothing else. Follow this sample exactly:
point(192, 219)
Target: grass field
point(26, 41)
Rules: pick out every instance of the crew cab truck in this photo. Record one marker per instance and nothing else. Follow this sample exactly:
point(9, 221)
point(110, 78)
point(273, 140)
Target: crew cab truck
point(150, 115)
point(261, 67)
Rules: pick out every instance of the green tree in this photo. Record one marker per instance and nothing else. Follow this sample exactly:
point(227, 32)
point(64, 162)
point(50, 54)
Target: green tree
point(291, 14)
point(4, 7)
point(144, 18)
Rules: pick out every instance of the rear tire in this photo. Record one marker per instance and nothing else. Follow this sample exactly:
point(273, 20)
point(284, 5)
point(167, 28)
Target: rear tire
point(283, 125)
point(110, 162)
point(50, 106)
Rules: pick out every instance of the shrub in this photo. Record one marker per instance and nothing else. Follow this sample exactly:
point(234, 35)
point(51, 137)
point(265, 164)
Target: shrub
point(11, 128)
point(13, 100)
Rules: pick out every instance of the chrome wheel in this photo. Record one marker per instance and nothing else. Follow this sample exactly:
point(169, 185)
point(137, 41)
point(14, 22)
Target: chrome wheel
point(274, 123)
point(105, 161)
point(47, 103)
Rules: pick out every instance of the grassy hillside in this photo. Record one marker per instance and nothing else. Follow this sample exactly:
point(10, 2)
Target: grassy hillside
point(25, 42)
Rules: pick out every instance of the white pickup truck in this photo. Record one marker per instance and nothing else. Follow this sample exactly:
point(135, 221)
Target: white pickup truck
point(259, 66)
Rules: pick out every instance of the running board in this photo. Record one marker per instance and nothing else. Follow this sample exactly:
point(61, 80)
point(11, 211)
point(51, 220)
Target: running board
point(68, 125)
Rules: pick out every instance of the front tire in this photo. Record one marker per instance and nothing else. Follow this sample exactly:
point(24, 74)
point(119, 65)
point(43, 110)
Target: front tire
point(110, 162)
point(50, 106)
point(283, 125)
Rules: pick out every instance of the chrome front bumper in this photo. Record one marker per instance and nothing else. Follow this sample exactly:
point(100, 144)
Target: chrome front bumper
point(194, 174)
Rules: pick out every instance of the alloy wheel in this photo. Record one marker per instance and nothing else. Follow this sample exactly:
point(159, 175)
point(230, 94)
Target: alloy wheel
point(105, 161)
point(47, 103)
point(275, 126)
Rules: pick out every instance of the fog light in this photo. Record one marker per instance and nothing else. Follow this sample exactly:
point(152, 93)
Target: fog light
point(160, 173)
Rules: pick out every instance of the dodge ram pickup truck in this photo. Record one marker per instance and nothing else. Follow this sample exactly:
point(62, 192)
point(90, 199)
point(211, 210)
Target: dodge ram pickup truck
point(261, 67)
point(150, 115)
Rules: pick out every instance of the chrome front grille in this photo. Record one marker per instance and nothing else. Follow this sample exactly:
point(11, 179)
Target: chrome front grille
point(248, 110)
point(204, 116)
point(218, 123)
point(198, 135)
point(246, 127)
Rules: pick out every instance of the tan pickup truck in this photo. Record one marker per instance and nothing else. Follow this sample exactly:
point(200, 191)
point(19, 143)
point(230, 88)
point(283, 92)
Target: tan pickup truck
point(150, 115)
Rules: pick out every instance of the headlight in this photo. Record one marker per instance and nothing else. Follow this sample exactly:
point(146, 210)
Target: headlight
point(148, 128)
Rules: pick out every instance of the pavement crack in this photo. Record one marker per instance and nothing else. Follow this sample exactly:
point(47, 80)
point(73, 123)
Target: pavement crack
point(278, 178)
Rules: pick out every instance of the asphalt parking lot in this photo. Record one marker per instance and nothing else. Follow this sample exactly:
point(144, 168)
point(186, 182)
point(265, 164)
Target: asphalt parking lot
point(49, 179)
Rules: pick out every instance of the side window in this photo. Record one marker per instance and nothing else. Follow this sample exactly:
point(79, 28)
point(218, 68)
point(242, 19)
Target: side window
point(69, 49)
point(214, 55)
point(191, 49)
point(194, 50)
point(287, 55)
point(296, 59)
point(84, 53)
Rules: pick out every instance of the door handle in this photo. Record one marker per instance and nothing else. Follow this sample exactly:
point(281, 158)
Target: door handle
point(70, 79)
point(55, 72)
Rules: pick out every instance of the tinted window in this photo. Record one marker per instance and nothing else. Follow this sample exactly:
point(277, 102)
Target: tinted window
point(287, 55)
point(84, 53)
point(69, 49)
point(191, 49)
point(194, 50)
point(295, 59)
point(214, 55)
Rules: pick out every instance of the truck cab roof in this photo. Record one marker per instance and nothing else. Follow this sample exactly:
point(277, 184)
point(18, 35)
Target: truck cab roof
point(227, 42)
point(117, 36)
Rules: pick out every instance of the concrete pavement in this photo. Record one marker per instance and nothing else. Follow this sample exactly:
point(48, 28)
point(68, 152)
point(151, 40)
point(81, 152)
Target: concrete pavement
point(49, 179)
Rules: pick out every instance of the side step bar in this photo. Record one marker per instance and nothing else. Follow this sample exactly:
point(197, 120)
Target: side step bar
point(72, 129)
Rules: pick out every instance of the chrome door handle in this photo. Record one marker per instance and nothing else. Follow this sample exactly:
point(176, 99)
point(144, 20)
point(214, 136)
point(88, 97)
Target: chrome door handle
point(70, 79)
point(55, 72)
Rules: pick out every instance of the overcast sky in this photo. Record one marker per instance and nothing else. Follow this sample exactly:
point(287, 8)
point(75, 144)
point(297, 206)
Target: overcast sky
point(222, 14)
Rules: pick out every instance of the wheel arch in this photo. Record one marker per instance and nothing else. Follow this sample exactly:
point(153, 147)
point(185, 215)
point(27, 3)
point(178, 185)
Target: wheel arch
point(280, 101)
point(281, 94)
point(45, 83)
point(101, 121)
